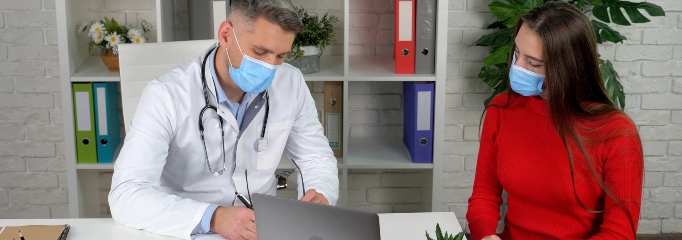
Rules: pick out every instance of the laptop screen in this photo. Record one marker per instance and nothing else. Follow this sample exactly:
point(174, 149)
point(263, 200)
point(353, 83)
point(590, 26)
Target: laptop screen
point(283, 219)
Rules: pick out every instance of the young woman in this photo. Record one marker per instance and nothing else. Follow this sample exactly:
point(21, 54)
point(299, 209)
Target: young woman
point(569, 160)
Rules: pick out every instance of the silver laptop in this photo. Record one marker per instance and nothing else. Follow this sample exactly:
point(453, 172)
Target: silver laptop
point(283, 219)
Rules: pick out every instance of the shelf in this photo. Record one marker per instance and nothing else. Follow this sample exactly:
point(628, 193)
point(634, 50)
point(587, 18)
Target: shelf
point(101, 166)
point(93, 70)
point(331, 69)
point(362, 68)
point(95, 166)
point(380, 153)
point(370, 68)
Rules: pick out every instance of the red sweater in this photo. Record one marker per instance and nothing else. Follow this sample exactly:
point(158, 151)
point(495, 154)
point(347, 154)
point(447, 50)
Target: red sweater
point(522, 154)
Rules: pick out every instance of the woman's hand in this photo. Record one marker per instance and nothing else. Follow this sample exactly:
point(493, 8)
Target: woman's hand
point(491, 237)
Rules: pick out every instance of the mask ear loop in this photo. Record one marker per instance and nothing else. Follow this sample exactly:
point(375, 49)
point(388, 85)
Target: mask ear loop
point(228, 58)
point(240, 48)
point(237, 40)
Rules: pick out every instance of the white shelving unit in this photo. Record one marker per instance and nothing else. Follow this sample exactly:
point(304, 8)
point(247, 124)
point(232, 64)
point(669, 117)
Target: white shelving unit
point(99, 166)
point(380, 68)
point(380, 153)
point(93, 70)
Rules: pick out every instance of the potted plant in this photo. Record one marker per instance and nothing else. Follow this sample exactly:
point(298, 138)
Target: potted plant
point(446, 236)
point(107, 34)
point(496, 69)
point(309, 44)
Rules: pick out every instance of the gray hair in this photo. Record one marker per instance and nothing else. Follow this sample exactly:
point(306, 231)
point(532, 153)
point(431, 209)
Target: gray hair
point(280, 12)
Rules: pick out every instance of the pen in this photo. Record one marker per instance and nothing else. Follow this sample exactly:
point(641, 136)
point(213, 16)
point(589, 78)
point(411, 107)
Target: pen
point(21, 236)
point(243, 199)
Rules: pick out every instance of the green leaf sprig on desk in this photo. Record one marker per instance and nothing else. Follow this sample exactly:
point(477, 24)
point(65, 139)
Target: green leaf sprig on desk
point(446, 236)
point(496, 69)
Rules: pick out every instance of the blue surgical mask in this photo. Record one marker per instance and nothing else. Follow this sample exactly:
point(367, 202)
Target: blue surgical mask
point(524, 81)
point(253, 76)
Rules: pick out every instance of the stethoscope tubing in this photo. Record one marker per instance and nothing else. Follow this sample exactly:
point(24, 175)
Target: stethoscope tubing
point(262, 142)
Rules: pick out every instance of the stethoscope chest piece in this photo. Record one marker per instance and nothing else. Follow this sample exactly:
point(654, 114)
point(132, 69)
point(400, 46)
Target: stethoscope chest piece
point(262, 144)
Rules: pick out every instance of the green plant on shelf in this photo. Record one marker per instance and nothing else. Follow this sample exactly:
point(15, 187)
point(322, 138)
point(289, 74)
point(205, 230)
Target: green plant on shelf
point(316, 32)
point(446, 236)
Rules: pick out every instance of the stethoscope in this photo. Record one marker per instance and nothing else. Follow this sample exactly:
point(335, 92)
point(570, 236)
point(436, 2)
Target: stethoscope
point(262, 142)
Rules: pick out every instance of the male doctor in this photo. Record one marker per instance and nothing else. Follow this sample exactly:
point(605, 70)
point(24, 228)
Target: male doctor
point(218, 125)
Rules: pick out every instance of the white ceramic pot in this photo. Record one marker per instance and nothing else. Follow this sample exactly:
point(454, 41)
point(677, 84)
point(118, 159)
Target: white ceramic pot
point(310, 50)
point(310, 62)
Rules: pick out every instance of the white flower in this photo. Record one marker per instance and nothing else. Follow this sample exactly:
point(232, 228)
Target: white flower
point(113, 39)
point(138, 40)
point(83, 27)
point(146, 26)
point(96, 28)
point(134, 33)
point(98, 37)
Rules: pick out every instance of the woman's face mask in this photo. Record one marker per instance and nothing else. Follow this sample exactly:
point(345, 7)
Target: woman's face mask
point(524, 81)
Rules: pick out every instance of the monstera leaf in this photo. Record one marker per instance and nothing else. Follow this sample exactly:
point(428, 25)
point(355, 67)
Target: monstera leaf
point(496, 78)
point(498, 56)
point(510, 13)
point(603, 8)
point(612, 83)
point(606, 33)
point(499, 38)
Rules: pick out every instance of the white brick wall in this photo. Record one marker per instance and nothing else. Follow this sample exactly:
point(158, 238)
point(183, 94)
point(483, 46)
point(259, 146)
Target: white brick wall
point(650, 66)
point(371, 27)
point(33, 182)
point(385, 191)
point(127, 12)
point(104, 187)
point(655, 148)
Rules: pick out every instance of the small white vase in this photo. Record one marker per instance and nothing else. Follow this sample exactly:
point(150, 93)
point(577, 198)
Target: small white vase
point(310, 62)
point(310, 50)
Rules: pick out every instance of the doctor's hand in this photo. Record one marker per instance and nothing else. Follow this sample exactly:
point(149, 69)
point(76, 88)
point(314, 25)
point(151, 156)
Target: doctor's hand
point(314, 197)
point(234, 223)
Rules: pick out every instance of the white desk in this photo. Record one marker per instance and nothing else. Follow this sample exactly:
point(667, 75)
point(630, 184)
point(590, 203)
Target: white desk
point(413, 226)
point(394, 226)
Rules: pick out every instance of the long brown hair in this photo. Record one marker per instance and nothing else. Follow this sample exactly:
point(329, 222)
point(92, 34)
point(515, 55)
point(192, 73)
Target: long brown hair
point(576, 97)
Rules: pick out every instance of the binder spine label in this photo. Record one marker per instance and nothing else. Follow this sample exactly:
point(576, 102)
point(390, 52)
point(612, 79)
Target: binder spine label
point(102, 111)
point(83, 111)
point(334, 130)
point(424, 111)
point(405, 21)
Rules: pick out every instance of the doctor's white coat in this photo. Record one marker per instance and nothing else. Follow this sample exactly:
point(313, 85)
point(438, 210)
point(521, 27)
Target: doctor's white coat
point(161, 181)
